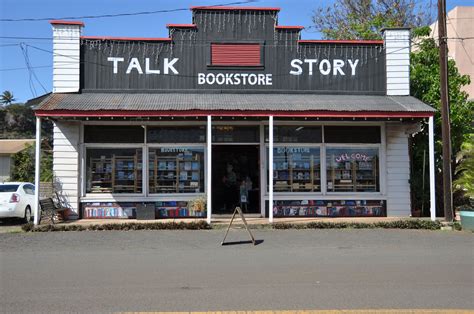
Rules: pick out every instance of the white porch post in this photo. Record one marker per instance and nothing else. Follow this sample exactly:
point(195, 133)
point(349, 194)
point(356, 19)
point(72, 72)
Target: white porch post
point(432, 168)
point(37, 169)
point(270, 169)
point(209, 169)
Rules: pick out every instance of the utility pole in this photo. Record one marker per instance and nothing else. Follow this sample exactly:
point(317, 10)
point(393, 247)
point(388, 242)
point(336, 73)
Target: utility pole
point(445, 125)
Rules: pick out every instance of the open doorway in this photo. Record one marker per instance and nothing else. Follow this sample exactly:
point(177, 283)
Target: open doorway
point(235, 172)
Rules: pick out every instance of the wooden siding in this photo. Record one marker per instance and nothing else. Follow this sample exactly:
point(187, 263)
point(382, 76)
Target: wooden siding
point(397, 44)
point(66, 58)
point(397, 171)
point(66, 162)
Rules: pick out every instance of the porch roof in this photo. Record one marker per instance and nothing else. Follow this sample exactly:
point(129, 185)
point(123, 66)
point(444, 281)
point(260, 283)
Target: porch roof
point(167, 104)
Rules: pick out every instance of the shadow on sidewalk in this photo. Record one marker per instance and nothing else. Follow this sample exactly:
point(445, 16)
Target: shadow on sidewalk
point(257, 242)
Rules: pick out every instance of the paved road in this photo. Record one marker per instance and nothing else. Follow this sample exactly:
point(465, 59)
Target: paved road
point(189, 270)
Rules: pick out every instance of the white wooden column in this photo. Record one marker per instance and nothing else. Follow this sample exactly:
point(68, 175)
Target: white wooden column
point(37, 169)
point(432, 168)
point(209, 169)
point(270, 169)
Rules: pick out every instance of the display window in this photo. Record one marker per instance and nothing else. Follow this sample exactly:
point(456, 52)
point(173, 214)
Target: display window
point(296, 169)
point(176, 134)
point(352, 169)
point(115, 170)
point(295, 134)
point(235, 134)
point(114, 134)
point(176, 170)
point(352, 134)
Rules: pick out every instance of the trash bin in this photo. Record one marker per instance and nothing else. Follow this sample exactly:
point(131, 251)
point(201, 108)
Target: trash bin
point(467, 220)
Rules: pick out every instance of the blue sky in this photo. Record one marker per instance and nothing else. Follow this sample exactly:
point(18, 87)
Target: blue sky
point(293, 12)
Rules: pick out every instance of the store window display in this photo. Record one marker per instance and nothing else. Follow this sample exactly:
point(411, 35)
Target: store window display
point(114, 170)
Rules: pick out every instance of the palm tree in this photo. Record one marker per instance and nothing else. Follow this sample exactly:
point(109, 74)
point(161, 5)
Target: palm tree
point(7, 98)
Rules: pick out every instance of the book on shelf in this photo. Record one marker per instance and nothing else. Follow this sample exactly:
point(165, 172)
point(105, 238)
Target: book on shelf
point(183, 175)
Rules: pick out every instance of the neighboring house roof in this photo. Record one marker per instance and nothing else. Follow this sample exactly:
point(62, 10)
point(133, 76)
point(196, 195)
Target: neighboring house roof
point(217, 103)
point(35, 101)
point(14, 146)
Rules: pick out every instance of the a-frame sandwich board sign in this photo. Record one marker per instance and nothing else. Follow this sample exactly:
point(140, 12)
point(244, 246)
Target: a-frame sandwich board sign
point(238, 211)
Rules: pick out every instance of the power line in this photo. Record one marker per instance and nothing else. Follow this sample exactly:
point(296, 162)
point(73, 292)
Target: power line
point(32, 73)
point(21, 38)
point(116, 15)
point(25, 68)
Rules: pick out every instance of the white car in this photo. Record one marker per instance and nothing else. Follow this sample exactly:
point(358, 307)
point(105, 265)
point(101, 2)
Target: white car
point(17, 200)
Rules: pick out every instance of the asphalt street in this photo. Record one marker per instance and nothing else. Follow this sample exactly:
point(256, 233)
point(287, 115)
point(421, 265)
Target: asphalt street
point(189, 270)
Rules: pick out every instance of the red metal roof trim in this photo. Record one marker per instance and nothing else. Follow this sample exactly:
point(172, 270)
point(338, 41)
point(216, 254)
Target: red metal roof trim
point(61, 22)
point(125, 38)
point(235, 8)
point(289, 27)
point(375, 42)
point(181, 25)
point(231, 113)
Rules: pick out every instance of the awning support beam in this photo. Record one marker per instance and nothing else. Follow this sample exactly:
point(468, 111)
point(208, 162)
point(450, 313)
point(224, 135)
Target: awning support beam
point(270, 169)
point(36, 211)
point(432, 168)
point(209, 169)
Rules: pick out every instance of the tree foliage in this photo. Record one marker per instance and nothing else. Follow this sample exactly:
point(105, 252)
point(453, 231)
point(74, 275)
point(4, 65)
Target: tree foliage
point(425, 85)
point(7, 98)
point(18, 121)
point(465, 170)
point(23, 168)
point(363, 19)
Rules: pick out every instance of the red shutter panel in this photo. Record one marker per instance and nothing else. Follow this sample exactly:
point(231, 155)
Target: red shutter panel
point(235, 54)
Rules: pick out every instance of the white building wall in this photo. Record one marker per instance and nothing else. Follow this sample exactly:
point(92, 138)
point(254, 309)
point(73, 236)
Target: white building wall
point(66, 58)
point(397, 171)
point(397, 49)
point(66, 159)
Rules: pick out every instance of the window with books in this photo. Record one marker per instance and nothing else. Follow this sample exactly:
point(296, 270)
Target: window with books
point(296, 169)
point(176, 170)
point(114, 170)
point(352, 169)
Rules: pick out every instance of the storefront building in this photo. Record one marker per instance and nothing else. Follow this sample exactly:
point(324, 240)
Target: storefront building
point(230, 110)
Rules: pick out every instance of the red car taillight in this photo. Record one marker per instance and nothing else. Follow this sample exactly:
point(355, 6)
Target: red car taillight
point(15, 198)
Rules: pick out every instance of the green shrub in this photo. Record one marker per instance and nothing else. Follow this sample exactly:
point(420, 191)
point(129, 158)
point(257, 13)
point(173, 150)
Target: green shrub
point(398, 224)
point(195, 225)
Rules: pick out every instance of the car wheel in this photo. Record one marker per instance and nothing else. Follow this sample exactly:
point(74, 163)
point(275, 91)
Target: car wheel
point(28, 217)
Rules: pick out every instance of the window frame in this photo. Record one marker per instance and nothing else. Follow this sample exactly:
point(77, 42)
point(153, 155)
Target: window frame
point(323, 149)
point(355, 145)
point(289, 193)
point(176, 145)
point(237, 67)
point(89, 195)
